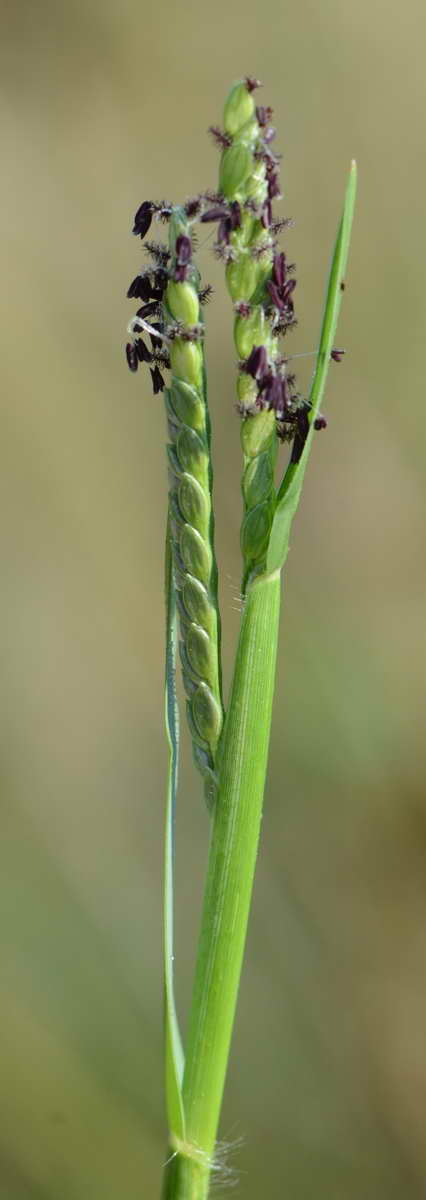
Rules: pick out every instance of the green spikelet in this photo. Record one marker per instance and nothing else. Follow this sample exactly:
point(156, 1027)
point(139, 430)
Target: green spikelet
point(190, 502)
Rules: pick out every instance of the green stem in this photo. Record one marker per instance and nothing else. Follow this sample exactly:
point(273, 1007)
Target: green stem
point(232, 859)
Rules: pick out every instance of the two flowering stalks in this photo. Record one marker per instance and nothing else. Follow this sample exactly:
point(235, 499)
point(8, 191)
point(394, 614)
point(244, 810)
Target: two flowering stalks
point(230, 750)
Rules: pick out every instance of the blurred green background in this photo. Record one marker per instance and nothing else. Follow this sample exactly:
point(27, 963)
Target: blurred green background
point(104, 105)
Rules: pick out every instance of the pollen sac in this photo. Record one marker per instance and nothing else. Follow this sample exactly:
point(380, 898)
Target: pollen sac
point(143, 219)
point(239, 108)
point(132, 357)
point(157, 380)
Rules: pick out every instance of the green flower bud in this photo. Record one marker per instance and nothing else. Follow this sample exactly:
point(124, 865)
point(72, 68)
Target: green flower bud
point(182, 302)
point(250, 331)
point(196, 554)
point(186, 360)
point(258, 479)
point(206, 713)
point(241, 277)
point(197, 739)
point(247, 391)
point(174, 463)
point(198, 648)
point(255, 531)
point(239, 108)
point(187, 404)
point(193, 504)
point(192, 455)
point(258, 433)
point(197, 602)
point(235, 168)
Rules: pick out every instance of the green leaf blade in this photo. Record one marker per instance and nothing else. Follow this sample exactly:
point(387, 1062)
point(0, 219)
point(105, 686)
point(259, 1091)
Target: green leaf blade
point(290, 489)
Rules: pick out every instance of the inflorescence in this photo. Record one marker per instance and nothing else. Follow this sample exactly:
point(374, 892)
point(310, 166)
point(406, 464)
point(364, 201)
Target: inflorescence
point(259, 276)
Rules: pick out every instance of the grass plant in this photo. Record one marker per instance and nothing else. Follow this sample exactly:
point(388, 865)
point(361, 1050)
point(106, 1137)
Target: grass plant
point(230, 750)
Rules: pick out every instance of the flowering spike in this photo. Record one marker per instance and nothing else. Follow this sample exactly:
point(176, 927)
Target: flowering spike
point(257, 278)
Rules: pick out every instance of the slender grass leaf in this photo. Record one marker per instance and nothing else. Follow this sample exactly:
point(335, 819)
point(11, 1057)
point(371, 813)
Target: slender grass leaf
point(174, 1051)
point(291, 486)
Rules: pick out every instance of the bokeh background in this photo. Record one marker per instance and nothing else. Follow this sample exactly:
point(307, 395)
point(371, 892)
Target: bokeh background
point(104, 105)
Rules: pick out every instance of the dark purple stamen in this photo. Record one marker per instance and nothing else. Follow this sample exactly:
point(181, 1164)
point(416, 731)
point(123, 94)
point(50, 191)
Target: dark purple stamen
point(257, 362)
point(279, 269)
point(156, 342)
point(214, 214)
point(273, 185)
point(263, 114)
point(131, 355)
point(140, 288)
point(288, 289)
point(143, 218)
point(224, 231)
point(337, 355)
point(320, 422)
point(235, 215)
point(147, 310)
point(266, 215)
point(274, 394)
point(274, 293)
point(252, 83)
point(144, 355)
point(157, 380)
point(183, 250)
